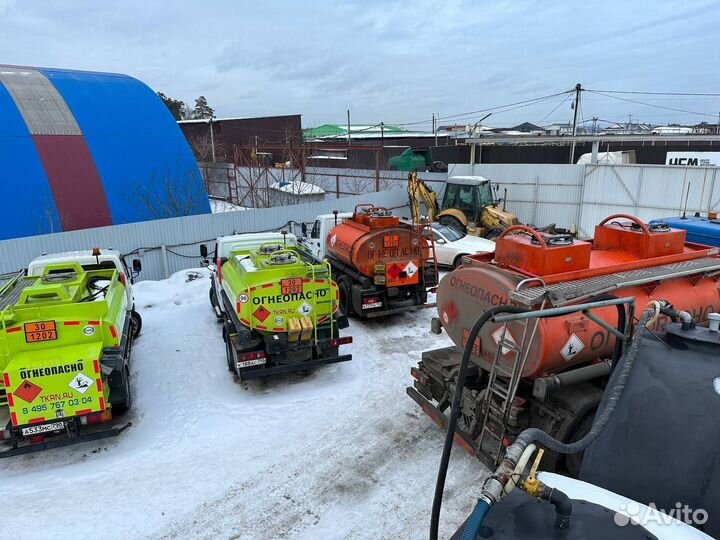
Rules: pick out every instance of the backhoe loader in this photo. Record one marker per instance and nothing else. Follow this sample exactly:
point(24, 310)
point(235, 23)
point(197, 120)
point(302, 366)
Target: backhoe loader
point(469, 205)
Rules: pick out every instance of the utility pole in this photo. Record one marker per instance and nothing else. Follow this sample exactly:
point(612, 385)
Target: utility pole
point(212, 140)
point(717, 127)
point(578, 89)
point(382, 134)
point(595, 120)
point(435, 128)
point(348, 127)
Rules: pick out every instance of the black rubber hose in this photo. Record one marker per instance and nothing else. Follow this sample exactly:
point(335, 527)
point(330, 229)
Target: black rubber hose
point(455, 411)
point(534, 435)
point(563, 508)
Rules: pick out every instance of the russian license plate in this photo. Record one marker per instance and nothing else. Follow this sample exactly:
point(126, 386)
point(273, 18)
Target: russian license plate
point(372, 305)
point(44, 428)
point(40, 331)
point(254, 362)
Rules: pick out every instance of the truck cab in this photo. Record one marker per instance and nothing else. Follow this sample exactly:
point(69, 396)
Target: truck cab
point(314, 240)
point(470, 205)
point(89, 260)
point(469, 194)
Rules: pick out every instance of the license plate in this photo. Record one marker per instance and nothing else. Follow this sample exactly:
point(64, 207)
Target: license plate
point(254, 362)
point(40, 331)
point(372, 305)
point(44, 428)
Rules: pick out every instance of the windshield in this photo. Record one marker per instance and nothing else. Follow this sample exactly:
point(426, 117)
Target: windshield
point(459, 196)
point(450, 233)
point(485, 196)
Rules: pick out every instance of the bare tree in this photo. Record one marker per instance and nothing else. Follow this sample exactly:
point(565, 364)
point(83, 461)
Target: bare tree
point(202, 146)
point(173, 193)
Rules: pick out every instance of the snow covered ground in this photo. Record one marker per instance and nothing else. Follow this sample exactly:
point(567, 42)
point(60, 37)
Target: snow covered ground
point(339, 453)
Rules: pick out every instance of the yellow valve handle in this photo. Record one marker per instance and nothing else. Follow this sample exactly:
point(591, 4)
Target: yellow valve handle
point(532, 486)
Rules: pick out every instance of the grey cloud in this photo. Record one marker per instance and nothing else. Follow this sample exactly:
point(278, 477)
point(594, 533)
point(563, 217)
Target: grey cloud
point(385, 60)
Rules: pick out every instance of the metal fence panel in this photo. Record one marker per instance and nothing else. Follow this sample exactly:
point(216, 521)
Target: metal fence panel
point(181, 236)
point(538, 194)
point(583, 195)
point(646, 191)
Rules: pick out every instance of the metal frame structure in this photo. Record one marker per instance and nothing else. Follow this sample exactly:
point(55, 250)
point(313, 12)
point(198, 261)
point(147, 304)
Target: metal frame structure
point(258, 166)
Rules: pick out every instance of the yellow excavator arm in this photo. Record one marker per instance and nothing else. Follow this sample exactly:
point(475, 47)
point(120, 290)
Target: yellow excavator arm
point(419, 192)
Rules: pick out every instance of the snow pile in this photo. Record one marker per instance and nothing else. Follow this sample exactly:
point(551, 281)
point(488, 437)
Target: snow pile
point(296, 187)
point(340, 453)
point(218, 206)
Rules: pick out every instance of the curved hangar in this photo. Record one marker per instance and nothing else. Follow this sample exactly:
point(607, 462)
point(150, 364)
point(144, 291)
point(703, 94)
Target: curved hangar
point(84, 149)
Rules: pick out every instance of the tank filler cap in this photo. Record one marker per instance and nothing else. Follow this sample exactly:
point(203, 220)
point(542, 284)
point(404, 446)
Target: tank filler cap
point(713, 322)
point(659, 226)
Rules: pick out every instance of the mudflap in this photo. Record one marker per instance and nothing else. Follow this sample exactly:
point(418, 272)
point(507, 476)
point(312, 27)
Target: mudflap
point(462, 438)
point(262, 371)
point(60, 441)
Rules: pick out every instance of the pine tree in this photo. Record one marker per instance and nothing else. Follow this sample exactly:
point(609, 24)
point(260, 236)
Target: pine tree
point(202, 109)
point(178, 108)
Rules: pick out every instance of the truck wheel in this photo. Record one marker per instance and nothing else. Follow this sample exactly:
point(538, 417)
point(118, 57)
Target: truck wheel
point(453, 222)
point(344, 287)
point(135, 324)
point(124, 405)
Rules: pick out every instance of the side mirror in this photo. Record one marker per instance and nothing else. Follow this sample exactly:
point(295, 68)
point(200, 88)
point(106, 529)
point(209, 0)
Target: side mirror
point(440, 241)
point(303, 228)
point(136, 266)
point(203, 251)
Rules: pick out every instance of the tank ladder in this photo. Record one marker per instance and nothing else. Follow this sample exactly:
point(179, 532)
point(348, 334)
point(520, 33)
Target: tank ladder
point(315, 316)
point(503, 382)
point(427, 250)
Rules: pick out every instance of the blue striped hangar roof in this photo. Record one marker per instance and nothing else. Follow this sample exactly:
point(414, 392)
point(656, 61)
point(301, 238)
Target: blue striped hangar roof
point(86, 149)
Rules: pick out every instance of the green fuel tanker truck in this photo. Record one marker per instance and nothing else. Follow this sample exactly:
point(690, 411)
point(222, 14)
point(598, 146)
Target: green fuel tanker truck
point(277, 303)
point(65, 341)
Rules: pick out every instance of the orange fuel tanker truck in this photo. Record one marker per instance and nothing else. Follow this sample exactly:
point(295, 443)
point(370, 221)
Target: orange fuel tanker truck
point(382, 265)
point(550, 372)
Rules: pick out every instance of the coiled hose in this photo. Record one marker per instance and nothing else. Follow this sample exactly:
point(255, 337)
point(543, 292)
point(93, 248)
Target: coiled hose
point(534, 435)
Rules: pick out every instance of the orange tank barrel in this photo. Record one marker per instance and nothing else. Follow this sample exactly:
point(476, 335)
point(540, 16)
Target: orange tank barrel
point(375, 243)
point(562, 342)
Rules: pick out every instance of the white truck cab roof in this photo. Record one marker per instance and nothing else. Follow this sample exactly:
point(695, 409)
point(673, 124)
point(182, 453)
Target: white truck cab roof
point(241, 242)
point(83, 258)
point(340, 216)
point(467, 180)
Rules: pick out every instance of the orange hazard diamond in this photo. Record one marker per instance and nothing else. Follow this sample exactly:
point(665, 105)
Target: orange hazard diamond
point(261, 314)
point(27, 391)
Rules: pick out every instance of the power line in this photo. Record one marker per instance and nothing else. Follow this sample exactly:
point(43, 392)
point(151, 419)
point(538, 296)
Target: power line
point(489, 109)
point(711, 94)
point(555, 109)
point(651, 104)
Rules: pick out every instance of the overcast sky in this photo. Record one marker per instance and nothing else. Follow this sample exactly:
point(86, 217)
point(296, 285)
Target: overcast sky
point(387, 61)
